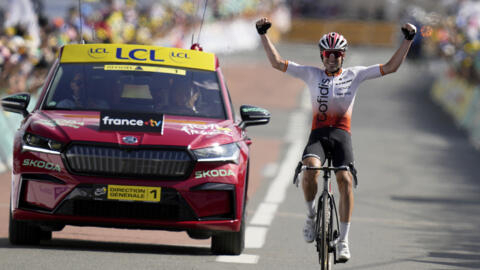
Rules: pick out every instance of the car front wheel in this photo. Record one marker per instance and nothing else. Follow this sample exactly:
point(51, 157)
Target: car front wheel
point(229, 243)
point(22, 233)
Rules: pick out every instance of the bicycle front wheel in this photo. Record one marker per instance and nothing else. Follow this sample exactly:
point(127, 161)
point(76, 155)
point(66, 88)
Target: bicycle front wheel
point(323, 232)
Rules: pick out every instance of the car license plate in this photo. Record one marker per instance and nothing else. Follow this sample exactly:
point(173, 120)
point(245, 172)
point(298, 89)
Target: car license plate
point(134, 193)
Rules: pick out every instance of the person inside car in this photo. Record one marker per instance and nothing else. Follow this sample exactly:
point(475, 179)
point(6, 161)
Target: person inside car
point(183, 101)
point(160, 99)
point(160, 95)
point(78, 98)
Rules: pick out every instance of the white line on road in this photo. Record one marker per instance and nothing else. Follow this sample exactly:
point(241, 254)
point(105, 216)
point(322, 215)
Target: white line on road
point(243, 258)
point(264, 214)
point(255, 236)
point(278, 188)
point(270, 170)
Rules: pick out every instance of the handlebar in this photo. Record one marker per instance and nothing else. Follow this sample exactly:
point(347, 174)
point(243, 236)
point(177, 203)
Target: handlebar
point(325, 169)
point(301, 167)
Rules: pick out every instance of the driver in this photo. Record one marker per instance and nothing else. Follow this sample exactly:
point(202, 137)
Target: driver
point(183, 101)
point(79, 98)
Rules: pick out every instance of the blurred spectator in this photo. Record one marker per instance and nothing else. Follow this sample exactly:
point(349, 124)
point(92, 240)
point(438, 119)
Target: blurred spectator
point(457, 39)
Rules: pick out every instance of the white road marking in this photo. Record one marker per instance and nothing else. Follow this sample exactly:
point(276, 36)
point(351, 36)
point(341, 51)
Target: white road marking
point(270, 170)
point(264, 214)
point(243, 258)
point(278, 188)
point(255, 236)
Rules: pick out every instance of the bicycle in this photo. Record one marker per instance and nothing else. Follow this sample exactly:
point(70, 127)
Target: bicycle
point(326, 239)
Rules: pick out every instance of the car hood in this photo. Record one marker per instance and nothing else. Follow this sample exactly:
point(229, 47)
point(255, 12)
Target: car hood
point(192, 132)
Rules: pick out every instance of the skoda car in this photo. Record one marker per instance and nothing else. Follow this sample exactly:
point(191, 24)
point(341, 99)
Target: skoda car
point(132, 136)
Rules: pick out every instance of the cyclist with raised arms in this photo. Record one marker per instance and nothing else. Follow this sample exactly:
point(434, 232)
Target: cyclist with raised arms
point(332, 91)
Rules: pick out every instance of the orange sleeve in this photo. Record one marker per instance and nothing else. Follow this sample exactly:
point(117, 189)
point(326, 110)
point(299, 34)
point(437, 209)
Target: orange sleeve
point(285, 66)
point(381, 70)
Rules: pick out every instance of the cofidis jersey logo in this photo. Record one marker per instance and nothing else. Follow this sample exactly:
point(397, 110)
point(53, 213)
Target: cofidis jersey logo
point(121, 121)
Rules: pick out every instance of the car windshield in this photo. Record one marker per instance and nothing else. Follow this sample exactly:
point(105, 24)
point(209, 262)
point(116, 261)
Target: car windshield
point(136, 88)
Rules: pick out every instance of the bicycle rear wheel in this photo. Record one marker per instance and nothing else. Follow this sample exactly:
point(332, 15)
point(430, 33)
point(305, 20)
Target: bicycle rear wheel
point(323, 232)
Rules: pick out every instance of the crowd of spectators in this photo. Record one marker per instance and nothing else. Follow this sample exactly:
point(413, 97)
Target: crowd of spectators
point(451, 34)
point(365, 10)
point(456, 38)
point(28, 46)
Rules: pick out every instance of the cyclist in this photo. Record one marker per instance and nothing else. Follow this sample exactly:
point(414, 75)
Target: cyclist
point(332, 91)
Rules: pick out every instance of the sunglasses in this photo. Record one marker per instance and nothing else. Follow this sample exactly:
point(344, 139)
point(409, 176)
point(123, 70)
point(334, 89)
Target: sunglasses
point(337, 54)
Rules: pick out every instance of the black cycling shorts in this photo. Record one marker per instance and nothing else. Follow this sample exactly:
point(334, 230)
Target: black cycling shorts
point(336, 141)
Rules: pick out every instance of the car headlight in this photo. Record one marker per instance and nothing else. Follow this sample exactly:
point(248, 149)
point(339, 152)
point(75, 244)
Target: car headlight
point(41, 144)
point(226, 153)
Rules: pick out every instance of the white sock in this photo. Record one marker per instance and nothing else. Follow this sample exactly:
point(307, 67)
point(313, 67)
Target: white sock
point(344, 228)
point(310, 208)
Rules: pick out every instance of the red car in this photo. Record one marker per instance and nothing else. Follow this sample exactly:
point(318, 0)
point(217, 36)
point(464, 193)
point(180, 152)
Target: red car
point(132, 136)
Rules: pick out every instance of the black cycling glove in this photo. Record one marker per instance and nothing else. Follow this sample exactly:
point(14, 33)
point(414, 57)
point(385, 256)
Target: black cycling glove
point(409, 35)
point(262, 29)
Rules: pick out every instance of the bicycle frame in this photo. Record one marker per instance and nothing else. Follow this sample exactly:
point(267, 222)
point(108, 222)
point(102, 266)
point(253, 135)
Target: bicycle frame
point(332, 233)
point(327, 193)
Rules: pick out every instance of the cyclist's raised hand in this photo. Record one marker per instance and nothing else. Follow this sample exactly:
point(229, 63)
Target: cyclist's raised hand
point(262, 26)
point(409, 30)
point(274, 57)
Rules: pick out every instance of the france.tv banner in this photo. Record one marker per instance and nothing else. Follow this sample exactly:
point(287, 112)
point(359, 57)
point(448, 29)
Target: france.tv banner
point(140, 122)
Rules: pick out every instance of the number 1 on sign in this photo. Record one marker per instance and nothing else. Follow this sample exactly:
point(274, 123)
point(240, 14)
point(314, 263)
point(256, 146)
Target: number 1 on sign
point(154, 194)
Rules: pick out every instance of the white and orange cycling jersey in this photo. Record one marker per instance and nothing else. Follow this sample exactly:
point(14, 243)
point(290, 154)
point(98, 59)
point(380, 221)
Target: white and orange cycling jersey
point(333, 95)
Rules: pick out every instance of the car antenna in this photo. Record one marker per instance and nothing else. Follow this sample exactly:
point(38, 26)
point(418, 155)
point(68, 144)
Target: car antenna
point(203, 19)
point(195, 8)
point(82, 41)
point(196, 46)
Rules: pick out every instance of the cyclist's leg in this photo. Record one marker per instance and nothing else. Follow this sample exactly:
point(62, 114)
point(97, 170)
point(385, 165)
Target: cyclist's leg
point(313, 155)
point(309, 181)
point(343, 155)
point(345, 187)
point(344, 181)
point(310, 187)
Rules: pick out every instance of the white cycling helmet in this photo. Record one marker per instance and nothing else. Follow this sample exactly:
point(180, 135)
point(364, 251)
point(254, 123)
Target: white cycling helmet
point(333, 41)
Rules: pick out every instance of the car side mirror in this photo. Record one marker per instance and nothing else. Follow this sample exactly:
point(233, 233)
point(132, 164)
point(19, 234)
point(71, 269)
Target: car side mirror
point(16, 103)
point(253, 116)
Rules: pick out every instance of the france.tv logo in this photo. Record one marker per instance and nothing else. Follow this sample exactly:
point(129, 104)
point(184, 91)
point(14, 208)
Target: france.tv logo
point(131, 122)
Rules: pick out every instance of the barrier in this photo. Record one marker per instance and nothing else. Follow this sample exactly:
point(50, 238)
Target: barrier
point(356, 32)
point(462, 101)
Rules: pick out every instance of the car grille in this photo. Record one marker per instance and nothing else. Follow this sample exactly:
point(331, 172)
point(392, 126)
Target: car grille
point(113, 161)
